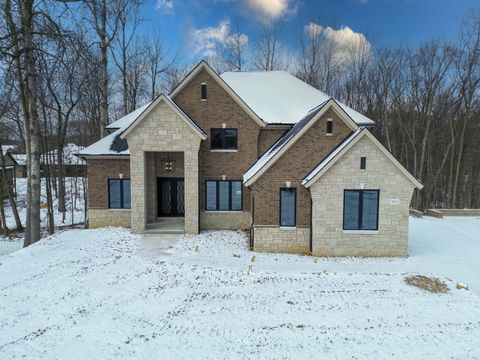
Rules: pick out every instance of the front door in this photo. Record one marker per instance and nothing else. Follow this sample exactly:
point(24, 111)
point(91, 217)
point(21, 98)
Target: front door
point(170, 197)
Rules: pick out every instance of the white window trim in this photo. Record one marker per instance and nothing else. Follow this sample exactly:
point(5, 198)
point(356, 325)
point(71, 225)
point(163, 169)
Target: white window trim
point(330, 120)
point(287, 227)
point(201, 84)
point(224, 150)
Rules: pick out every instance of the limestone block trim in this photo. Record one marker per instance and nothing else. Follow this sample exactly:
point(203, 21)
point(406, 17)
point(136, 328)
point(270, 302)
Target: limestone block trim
point(278, 239)
point(226, 220)
point(108, 217)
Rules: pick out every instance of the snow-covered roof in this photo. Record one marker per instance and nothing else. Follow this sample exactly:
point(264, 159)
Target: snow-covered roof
point(21, 159)
point(114, 145)
point(332, 155)
point(105, 146)
point(275, 148)
point(280, 98)
point(7, 148)
point(127, 119)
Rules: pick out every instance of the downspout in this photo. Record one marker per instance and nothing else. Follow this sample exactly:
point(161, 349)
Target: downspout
point(199, 193)
point(252, 204)
point(311, 222)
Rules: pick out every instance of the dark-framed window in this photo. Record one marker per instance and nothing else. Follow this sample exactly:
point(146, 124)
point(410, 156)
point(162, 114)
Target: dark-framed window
point(329, 126)
point(363, 163)
point(203, 91)
point(223, 195)
point(360, 209)
point(223, 139)
point(119, 194)
point(288, 207)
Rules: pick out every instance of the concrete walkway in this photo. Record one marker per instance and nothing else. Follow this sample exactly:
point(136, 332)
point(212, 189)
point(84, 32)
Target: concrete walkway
point(155, 245)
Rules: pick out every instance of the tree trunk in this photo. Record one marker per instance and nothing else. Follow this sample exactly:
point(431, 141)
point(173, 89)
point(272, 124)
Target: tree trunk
point(104, 55)
point(458, 165)
point(34, 131)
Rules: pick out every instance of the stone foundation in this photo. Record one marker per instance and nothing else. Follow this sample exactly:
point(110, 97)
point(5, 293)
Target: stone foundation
point(277, 239)
point(108, 217)
point(228, 220)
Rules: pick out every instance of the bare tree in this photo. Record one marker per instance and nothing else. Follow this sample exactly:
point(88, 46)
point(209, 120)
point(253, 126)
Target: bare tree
point(268, 54)
point(158, 62)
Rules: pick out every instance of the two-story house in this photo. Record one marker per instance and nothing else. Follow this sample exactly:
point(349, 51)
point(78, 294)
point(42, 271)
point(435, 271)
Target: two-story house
point(261, 151)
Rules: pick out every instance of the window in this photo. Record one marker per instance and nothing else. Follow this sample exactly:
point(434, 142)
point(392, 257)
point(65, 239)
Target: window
point(203, 91)
point(223, 195)
point(360, 209)
point(288, 200)
point(363, 163)
point(119, 194)
point(329, 126)
point(223, 139)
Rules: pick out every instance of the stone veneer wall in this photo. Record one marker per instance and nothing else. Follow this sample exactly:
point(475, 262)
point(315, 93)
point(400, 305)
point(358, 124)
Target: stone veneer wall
point(277, 239)
point(226, 220)
point(329, 239)
point(108, 217)
point(163, 131)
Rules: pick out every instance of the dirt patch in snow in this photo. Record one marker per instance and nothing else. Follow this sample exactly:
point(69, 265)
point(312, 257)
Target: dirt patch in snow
point(430, 284)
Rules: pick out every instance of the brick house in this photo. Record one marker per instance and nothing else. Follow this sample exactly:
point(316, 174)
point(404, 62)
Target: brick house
point(260, 151)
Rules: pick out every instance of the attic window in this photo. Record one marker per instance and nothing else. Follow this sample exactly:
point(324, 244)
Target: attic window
point(329, 126)
point(203, 88)
point(363, 163)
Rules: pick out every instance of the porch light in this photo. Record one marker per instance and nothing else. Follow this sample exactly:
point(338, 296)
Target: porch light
point(168, 165)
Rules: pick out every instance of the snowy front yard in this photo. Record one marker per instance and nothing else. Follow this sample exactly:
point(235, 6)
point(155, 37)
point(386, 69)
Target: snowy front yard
point(74, 202)
point(106, 294)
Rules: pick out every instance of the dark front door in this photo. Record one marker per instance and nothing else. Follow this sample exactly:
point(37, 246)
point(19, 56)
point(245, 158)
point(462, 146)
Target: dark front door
point(170, 195)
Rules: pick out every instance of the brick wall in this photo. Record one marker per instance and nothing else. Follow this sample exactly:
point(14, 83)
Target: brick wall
point(391, 239)
point(292, 166)
point(220, 109)
point(98, 173)
point(267, 138)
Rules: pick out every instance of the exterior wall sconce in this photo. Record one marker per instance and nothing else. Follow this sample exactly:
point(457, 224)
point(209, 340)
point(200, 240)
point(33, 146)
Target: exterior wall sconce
point(169, 165)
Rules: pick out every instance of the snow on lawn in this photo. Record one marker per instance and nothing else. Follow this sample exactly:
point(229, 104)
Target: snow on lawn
point(107, 294)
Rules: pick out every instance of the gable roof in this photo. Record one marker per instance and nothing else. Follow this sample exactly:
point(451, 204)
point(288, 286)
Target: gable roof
point(280, 98)
point(115, 145)
point(175, 108)
point(343, 148)
point(204, 65)
point(290, 137)
point(105, 147)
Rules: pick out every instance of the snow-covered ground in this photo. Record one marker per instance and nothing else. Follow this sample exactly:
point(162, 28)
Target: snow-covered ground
point(74, 188)
point(107, 294)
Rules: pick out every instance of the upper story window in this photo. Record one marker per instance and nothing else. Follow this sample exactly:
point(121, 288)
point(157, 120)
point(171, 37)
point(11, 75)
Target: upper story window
point(288, 204)
point(363, 163)
point(360, 209)
point(223, 139)
point(329, 126)
point(203, 91)
point(119, 194)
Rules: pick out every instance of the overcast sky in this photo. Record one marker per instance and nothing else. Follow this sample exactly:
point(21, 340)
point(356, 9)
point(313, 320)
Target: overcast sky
point(196, 26)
